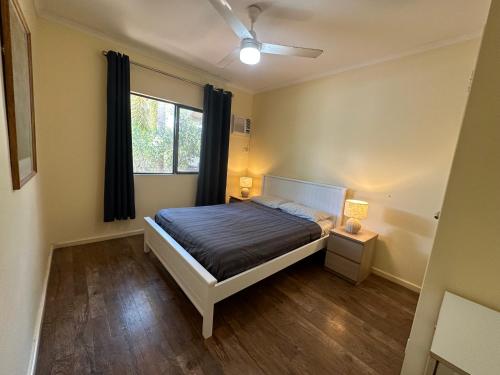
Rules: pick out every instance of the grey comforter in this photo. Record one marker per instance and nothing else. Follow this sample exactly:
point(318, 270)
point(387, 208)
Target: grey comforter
point(230, 239)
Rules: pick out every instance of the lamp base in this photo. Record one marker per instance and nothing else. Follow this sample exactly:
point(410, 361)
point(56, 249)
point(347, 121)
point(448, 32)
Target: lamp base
point(352, 226)
point(245, 192)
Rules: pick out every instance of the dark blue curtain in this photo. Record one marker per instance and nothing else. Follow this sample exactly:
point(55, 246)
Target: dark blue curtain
point(214, 147)
point(119, 202)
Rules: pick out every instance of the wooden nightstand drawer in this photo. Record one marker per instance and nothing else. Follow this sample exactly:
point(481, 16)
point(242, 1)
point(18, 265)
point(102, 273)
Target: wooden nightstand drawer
point(348, 249)
point(341, 265)
point(350, 255)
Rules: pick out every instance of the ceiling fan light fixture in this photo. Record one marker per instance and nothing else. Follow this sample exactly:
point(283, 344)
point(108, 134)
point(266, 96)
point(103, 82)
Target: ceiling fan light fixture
point(250, 51)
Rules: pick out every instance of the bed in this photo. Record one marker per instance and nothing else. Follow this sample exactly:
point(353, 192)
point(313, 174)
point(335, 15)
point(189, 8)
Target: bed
point(207, 275)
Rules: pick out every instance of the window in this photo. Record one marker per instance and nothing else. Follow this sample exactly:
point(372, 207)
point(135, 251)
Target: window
point(166, 137)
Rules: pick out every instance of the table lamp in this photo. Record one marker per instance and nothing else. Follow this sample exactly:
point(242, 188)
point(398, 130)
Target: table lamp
point(245, 184)
point(355, 210)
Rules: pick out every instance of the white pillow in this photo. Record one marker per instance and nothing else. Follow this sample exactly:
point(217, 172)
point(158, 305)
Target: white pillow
point(304, 211)
point(268, 200)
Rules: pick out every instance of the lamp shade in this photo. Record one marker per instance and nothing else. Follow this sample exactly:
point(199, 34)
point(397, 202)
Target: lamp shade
point(246, 182)
point(356, 209)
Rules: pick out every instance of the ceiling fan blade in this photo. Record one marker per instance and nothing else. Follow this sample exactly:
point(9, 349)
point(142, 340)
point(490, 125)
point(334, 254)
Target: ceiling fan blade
point(224, 9)
point(232, 56)
point(277, 49)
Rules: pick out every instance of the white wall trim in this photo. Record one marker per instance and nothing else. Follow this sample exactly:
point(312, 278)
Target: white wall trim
point(151, 53)
point(39, 318)
point(192, 71)
point(41, 309)
point(104, 237)
point(180, 63)
point(396, 280)
point(397, 56)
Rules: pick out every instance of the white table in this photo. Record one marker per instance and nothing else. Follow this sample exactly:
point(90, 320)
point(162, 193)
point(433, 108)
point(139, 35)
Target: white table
point(467, 337)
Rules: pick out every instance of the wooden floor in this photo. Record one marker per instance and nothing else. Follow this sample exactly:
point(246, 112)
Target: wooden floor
point(111, 309)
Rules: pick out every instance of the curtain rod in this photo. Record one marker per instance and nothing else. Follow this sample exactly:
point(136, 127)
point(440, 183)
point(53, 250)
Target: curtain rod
point(162, 72)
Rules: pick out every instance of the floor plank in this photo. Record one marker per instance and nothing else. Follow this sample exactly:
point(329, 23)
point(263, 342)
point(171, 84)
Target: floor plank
point(111, 309)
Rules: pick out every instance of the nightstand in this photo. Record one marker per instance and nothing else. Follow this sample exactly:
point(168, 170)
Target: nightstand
point(350, 255)
point(237, 198)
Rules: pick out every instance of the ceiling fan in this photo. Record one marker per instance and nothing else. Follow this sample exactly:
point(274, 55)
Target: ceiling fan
point(251, 48)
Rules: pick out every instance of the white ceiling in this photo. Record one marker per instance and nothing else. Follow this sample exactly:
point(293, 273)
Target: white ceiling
point(351, 32)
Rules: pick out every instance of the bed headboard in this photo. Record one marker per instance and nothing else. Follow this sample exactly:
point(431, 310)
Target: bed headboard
point(328, 198)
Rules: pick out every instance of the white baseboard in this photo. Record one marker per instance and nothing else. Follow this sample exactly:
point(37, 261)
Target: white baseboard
point(39, 318)
point(41, 308)
point(396, 280)
point(103, 237)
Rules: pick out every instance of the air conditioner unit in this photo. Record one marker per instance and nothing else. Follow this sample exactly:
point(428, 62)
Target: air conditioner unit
point(240, 125)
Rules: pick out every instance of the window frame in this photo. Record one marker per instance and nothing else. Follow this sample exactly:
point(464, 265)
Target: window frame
point(175, 153)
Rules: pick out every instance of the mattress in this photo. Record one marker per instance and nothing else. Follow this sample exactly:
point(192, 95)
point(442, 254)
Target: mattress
point(229, 239)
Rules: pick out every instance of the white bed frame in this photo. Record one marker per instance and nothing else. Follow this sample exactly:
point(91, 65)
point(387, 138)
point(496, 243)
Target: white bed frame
point(201, 287)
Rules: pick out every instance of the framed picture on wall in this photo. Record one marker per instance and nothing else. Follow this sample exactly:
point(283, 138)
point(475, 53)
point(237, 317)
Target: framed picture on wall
point(18, 85)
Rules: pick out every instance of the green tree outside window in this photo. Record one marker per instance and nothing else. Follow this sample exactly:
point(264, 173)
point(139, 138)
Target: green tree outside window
point(154, 128)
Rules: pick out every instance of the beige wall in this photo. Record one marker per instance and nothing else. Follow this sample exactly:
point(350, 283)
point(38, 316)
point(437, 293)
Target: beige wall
point(386, 131)
point(239, 145)
point(64, 201)
point(23, 248)
point(466, 255)
point(73, 111)
point(237, 165)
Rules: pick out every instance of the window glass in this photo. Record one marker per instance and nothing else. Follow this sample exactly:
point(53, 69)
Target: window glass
point(190, 124)
point(152, 135)
point(158, 135)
